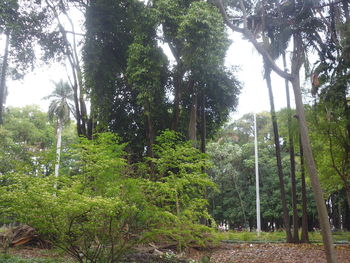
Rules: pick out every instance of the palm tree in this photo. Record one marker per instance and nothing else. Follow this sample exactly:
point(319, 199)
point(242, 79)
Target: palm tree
point(59, 110)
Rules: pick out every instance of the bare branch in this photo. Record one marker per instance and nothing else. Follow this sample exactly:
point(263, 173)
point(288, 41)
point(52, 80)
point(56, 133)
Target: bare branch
point(245, 16)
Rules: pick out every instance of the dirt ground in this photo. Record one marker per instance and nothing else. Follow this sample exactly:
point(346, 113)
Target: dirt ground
point(236, 253)
point(270, 253)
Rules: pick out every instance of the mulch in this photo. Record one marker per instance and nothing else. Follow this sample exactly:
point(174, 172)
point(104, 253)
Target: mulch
point(232, 253)
point(270, 253)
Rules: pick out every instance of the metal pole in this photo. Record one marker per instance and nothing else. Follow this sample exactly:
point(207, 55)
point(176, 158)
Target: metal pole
point(258, 219)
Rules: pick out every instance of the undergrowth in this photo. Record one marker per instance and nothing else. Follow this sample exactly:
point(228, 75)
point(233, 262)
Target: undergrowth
point(278, 236)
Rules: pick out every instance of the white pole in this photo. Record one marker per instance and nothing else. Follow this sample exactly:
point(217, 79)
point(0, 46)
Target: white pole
point(258, 219)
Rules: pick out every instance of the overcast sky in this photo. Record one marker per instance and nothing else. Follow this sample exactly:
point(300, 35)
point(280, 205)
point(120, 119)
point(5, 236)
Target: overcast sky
point(254, 95)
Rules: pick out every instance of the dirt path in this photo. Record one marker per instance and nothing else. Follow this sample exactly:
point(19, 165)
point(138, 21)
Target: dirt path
point(271, 253)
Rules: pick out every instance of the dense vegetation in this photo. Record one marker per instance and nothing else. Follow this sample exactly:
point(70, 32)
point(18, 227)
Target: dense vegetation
point(132, 166)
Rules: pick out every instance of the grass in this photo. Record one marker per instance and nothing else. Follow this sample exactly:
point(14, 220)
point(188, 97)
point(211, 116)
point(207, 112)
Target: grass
point(278, 236)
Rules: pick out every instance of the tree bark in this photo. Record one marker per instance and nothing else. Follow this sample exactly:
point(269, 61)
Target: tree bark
point(304, 227)
point(203, 124)
point(192, 126)
point(149, 129)
point(3, 78)
point(316, 187)
point(77, 86)
point(58, 147)
point(292, 161)
point(346, 10)
point(278, 154)
point(177, 96)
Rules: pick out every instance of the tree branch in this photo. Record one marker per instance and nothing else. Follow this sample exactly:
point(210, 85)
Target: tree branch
point(251, 38)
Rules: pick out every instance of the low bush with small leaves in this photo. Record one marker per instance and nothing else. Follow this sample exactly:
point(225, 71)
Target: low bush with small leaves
point(97, 212)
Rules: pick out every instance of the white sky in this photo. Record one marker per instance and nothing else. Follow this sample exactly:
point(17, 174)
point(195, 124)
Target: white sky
point(254, 95)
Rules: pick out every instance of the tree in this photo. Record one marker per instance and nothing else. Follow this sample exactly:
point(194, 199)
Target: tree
point(278, 155)
point(59, 43)
point(19, 28)
point(330, 87)
point(60, 109)
point(129, 80)
point(232, 154)
point(27, 141)
point(294, 78)
point(3, 78)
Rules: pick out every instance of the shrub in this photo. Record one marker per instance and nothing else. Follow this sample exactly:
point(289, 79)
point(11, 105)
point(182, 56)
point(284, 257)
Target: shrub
point(97, 212)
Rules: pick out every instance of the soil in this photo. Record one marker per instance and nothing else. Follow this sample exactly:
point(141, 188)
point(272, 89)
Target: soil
point(270, 253)
point(231, 253)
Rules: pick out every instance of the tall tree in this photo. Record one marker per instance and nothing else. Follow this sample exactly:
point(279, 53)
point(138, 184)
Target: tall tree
point(3, 77)
point(20, 26)
point(330, 86)
point(60, 109)
point(278, 154)
point(294, 78)
point(68, 47)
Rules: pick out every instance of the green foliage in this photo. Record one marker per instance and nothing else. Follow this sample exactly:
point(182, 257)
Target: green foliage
point(234, 172)
point(205, 39)
point(277, 236)
point(61, 102)
point(97, 212)
point(27, 140)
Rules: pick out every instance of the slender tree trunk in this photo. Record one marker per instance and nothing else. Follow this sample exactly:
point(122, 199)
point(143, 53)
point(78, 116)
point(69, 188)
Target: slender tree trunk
point(177, 97)
point(3, 77)
point(278, 155)
point(78, 92)
point(294, 78)
point(346, 10)
point(304, 228)
point(58, 146)
point(79, 77)
point(292, 161)
point(347, 190)
point(240, 199)
point(316, 187)
point(150, 130)
point(203, 125)
point(192, 126)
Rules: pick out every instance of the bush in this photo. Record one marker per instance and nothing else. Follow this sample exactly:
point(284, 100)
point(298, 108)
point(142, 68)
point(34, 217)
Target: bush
point(97, 212)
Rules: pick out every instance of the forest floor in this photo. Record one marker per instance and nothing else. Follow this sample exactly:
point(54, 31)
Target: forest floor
point(270, 253)
point(225, 253)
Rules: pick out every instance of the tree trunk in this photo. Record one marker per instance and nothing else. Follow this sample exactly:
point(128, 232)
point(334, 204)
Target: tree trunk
point(346, 10)
point(316, 187)
point(278, 155)
point(177, 97)
point(203, 125)
point(3, 78)
point(77, 86)
point(292, 162)
point(294, 78)
point(149, 129)
point(58, 146)
point(192, 126)
point(347, 190)
point(304, 227)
